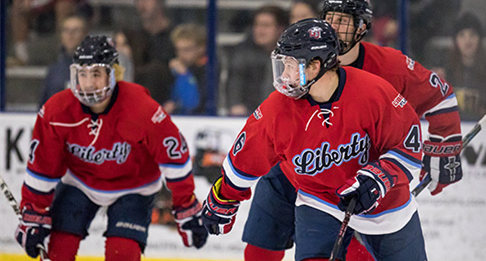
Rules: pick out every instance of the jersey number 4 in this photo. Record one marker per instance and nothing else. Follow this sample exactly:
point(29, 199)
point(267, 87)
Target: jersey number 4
point(413, 140)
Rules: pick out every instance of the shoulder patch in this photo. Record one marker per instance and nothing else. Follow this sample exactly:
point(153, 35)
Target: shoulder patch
point(239, 143)
point(258, 113)
point(410, 63)
point(159, 115)
point(399, 101)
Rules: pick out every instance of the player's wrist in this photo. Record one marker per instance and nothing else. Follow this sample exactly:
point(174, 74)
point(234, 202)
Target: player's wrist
point(442, 148)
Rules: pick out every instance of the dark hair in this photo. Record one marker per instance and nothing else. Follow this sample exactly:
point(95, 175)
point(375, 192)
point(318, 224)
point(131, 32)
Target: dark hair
point(280, 15)
point(468, 21)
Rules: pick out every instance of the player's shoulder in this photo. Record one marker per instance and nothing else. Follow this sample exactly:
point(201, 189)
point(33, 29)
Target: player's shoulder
point(61, 106)
point(276, 104)
point(137, 107)
point(135, 98)
point(366, 84)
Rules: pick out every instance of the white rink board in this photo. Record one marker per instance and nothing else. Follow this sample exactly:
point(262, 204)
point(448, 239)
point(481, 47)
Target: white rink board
point(453, 222)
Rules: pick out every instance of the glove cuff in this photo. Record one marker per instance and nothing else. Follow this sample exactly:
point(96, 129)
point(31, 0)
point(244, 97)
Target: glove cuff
point(385, 180)
point(184, 212)
point(442, 149)
point(219, 205)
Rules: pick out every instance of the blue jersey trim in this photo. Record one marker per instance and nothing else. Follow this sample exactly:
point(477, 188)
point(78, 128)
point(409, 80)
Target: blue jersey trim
point(42, 177)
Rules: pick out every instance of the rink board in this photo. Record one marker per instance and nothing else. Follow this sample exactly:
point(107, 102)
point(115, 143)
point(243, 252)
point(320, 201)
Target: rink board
point(453, 221)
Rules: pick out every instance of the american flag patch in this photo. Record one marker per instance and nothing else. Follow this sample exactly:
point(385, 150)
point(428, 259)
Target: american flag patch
point(159, 115)
point(399, 101)
point(257, 113)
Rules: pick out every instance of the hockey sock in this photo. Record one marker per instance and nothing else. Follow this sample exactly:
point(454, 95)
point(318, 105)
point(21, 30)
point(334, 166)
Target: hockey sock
point(63, 246)
point(356, 251)
point(256, 253)
point(119, 248)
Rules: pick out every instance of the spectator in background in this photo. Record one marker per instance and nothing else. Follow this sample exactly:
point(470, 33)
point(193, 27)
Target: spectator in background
point(466, 69)
point(302, 9)
point(250, 77)
point(125, 55)
point(73, 30)
point(24, 11)
point(152, 49)
point(188, 95)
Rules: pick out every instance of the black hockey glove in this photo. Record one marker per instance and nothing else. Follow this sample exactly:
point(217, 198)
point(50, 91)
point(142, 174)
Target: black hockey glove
point(189, 224)
point(442, 162)
point(369, 186)
point(34, 227)
point(219, 214)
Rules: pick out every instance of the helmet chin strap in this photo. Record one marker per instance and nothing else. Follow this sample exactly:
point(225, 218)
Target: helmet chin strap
point(319, 75)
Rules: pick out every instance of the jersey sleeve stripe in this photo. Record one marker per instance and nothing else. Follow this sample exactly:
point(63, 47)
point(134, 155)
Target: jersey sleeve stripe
point(179, 179)
point(443, 111)
point(39, 182)
point(35, 191)
point(237, 177)
point(176, 171)
point(448, 104)
point(408, 165)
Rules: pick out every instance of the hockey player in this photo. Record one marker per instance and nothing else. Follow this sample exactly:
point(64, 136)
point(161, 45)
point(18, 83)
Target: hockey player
point(428, 94)
point(103, 143)
point(336, 133)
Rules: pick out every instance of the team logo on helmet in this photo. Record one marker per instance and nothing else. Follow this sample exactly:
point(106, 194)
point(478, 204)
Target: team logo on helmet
point(315, 32)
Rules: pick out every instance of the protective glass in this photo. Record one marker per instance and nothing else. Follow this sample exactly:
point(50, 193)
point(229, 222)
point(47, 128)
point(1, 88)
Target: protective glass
point(289, 75)
point(83, 80)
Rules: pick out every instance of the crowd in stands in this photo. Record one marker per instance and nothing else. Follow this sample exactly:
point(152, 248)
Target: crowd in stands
point(166, 51)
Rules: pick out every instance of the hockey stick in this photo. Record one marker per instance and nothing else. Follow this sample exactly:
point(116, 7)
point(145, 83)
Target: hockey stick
point(15, 207)
point(342, 230)
point(481, 124)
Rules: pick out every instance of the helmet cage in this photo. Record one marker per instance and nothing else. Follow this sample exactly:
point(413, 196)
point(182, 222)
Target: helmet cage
point(361, 14)
point(90, 98)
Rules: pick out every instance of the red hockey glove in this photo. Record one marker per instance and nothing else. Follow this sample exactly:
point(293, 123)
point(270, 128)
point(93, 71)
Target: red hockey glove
point(369, 186)
point(189, 224)
point(219, 214)
point(34, 227)
point(442, 162)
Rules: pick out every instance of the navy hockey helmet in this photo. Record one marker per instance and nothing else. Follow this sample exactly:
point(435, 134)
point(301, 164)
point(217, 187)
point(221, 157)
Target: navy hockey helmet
point(305, 41)
point(361, 12)
point(93, 53)
point(96, 49)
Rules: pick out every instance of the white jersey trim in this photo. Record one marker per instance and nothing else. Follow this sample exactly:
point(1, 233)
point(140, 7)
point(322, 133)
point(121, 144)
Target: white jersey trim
point(448, 102)
point(40, 183)
point(175, 171)
point(385, 222)
point(236, 178)
point(107, 197)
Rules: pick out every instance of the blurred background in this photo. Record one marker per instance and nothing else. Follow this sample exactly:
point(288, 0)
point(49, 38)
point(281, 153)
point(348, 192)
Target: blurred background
point(212, 58)
point(208, 57)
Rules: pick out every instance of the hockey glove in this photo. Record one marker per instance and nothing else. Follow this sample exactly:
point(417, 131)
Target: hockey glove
point(442, 162)
point(34, 227)
point(189, 224)
point(219, 214)
point(369, 187)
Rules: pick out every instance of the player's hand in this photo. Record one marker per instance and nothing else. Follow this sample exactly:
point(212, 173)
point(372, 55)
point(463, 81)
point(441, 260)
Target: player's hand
point(219, 214)
point(442, 162)
point(369, 187)
point(34, 227)
point(189, 224)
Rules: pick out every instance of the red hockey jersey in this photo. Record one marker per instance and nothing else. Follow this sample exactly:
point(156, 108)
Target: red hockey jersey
point(122, 150)
point(429, 95)
point(322, 145)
